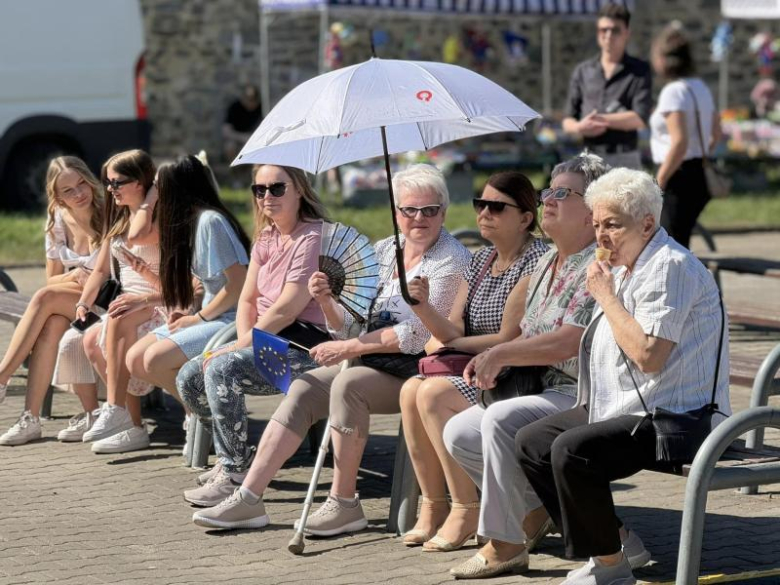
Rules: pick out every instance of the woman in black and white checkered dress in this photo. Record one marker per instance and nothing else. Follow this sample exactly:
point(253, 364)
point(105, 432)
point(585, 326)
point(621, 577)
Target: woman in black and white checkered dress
point(487, 311)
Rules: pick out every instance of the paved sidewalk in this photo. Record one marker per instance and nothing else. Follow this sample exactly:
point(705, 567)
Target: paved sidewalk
point(71, 517)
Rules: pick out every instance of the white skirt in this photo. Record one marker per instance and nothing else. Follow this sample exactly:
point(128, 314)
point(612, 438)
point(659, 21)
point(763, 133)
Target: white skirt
point(73, 367)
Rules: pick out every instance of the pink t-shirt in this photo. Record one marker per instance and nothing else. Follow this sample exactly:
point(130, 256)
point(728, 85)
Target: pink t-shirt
point(295, 264)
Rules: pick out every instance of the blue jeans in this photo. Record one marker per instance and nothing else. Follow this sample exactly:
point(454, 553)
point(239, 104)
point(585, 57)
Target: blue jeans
point(217, 397)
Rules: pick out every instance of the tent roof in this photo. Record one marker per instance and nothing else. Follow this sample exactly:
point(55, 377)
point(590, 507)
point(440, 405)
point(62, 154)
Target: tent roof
point(519, 7)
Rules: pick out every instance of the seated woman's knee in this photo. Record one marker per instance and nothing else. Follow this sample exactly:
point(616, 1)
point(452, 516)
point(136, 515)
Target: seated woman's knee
point(349, 386)
point(565, 450)
point(91, 348)
point(408, 398)
point(52, 330)
point(135, 362)
point(44, 297)
point(432, 393)
point(456, 436)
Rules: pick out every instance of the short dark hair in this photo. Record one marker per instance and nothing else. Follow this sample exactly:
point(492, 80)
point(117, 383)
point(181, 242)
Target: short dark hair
point(616, 12)
point(517, 186)
point(673, 45)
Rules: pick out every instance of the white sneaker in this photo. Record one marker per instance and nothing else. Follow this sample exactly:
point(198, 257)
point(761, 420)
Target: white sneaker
point(26, 429)
point(112, 420)
point(3, 390)
point(132, 439)
point(77, 426)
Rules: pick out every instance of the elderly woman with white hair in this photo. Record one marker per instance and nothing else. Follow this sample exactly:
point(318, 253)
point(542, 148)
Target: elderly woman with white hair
point(349, 397)
point(653, 343)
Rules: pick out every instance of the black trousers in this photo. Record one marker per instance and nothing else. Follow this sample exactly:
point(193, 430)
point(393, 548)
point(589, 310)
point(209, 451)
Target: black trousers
point(570, 465)
point(685, 197)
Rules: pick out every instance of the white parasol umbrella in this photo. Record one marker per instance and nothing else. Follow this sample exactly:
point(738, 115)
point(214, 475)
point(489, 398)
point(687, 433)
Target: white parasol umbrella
point(381, 107)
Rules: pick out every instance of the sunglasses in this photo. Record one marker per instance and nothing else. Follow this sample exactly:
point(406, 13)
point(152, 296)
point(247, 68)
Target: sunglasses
point(491, 206)
point(410, 212)
point(114, 184)
point(275, 189)
point(559, 194)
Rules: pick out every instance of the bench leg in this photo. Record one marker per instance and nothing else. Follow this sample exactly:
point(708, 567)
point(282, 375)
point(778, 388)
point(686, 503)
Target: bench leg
point(46, 407)
point(405, 491)
point(762, 390)
point(201, 445)
point(691, 533)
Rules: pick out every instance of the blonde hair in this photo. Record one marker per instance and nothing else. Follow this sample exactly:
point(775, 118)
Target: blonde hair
point(311, 208)
point(133, 164)
point(56, 167)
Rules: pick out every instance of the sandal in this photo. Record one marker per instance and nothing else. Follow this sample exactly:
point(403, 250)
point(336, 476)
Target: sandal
point(418, 536)
point(440, 544)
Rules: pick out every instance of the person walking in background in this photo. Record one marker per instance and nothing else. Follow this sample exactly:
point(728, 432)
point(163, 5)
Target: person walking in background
point(73, 233)
point(243, 117)
point(684, 120)
point(610, 94)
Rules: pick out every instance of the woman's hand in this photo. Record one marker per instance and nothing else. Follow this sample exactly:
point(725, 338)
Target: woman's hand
point(137, 263)
point(482, 371)
point(433, 345)
point(319, 287)
point(331, 353)
point(179, 319)
point(125, 304)
point(600, 282)
point(210, 355)
point(419, 290)
point(81, 312)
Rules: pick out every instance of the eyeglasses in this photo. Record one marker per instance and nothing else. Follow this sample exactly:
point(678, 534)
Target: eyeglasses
point(410, 212)
point(115, 184)
point(275, 189)
point(559, 194)
point(492, 206)
point(615, 30)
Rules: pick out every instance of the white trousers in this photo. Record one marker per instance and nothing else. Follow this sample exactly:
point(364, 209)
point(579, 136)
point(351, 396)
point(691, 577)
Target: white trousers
point(482, 441)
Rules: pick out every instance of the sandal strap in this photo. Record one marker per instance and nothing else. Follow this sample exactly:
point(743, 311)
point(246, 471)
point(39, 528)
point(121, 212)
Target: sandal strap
point(465, 506)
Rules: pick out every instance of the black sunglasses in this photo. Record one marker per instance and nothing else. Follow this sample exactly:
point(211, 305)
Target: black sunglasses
point(115, 184)
point(410, 212)
point(275, 189)
point(492, 206)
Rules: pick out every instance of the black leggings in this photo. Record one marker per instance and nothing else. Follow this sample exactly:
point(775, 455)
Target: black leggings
point(685, 197)
point(570, 465)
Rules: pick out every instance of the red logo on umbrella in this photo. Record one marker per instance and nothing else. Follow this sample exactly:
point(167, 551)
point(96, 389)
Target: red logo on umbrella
point(424, 95)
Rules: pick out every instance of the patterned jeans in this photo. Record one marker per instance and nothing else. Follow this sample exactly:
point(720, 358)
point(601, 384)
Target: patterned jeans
point(217, 397)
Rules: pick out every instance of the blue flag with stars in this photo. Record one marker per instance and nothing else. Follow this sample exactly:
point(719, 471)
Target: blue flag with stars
point(270, 353)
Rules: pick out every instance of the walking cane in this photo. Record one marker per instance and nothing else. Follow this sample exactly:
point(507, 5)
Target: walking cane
point(296, 544)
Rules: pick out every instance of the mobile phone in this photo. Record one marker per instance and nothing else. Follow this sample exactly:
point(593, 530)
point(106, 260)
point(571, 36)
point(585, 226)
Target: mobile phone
point(126, 252)
point(90, 319)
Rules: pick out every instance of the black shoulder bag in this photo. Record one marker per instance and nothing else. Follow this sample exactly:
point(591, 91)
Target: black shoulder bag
point(678, 435)
point(518, 380)
point(111, 288)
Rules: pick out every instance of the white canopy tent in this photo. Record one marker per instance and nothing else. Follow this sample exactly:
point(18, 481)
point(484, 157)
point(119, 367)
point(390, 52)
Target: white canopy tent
point(543, 10)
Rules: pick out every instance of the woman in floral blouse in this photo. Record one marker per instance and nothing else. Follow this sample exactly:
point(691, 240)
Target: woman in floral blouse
point(483, 440)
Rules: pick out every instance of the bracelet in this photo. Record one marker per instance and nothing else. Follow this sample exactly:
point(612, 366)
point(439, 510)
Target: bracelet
point(202, 318)
point(82, 304)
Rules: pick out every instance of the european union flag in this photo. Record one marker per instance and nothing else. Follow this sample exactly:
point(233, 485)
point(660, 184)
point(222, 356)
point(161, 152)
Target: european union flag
point(270, 353)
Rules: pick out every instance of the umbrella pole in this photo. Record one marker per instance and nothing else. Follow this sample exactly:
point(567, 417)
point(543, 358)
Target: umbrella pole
point(399, 253)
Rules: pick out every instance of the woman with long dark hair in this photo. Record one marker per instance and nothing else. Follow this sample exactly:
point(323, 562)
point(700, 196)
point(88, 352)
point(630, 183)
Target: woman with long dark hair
point(73, 234)
point(200, 240)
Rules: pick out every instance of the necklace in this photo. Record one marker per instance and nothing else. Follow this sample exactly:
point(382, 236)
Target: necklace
point(515, 258)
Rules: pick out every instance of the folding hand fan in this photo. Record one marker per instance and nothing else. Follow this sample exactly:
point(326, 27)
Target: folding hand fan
point(348, 259)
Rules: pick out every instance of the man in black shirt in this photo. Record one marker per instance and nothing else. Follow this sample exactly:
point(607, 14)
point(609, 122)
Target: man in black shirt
point(610, 95)
point(243, 117)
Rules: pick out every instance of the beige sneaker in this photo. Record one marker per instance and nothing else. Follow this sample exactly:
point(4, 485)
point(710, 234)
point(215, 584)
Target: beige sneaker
point(233, 512)
point(26, 429)
point(204, 477)
point(77, 426)
point(334, 517)
point(216, 489)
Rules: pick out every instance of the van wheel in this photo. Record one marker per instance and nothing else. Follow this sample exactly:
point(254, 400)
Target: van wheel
point(24, 178)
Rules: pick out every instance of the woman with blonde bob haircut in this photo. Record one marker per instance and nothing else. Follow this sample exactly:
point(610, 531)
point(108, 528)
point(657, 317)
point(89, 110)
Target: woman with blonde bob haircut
point(658, 340)
point(73, 233)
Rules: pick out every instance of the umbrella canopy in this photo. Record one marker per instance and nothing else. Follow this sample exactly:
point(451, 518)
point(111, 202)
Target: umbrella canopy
point(337, 117)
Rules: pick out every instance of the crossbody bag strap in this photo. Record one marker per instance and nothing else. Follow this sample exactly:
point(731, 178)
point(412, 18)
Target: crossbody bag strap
point(704, 151)
point(717, 368)
point(473, 291)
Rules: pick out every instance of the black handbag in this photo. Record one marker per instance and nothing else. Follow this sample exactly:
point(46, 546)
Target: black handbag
point(403, 365)
point(678, 435)
point(304, 334)
point(110, 289)
point(518, 380)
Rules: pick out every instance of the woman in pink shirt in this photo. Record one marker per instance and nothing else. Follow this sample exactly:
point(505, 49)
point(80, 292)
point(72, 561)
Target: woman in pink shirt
point(275, 298)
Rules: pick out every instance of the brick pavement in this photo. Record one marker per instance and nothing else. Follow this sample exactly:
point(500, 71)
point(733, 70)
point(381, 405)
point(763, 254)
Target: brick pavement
point(68, 516)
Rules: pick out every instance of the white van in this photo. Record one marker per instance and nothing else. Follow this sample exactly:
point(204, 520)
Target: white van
point(71, 81)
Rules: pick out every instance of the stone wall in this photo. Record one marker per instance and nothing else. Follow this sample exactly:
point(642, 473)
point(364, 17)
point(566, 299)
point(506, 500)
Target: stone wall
point(200, 52)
